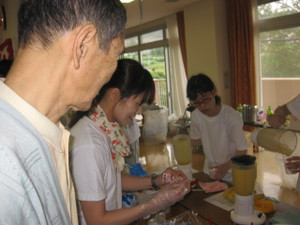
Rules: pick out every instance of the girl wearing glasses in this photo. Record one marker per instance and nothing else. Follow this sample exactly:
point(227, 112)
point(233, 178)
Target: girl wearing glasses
point(215, 126)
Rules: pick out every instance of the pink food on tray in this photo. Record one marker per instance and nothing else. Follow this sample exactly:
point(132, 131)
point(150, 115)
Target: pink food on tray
point(214, 186)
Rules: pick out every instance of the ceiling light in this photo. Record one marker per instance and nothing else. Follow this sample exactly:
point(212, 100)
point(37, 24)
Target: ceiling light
point(126, 1)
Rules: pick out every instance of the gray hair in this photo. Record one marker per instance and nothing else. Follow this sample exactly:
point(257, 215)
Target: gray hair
point(42, 21)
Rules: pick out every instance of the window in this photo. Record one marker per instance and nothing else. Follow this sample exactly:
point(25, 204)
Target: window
point(152, 36)
point(279, 46)
point(150, 48)
point(280, 53)
point(133, 41)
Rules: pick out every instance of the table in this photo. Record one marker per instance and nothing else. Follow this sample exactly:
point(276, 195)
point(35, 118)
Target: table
point(195, 201)
point(208, 214)
point(175, 210)
point(271, 179)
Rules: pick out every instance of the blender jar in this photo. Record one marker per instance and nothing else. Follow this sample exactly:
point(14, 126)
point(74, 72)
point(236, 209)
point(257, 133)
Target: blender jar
point(244, 174)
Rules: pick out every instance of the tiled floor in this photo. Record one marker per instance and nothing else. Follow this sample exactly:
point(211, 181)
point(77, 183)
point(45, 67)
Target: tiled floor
point(271, 179)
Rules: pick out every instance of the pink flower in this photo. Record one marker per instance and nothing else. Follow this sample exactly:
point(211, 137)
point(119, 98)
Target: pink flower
point(103, 128)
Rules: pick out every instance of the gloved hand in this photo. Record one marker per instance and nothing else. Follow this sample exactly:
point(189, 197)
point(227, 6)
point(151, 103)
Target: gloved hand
point(170, 176)
point(279, 116)
point(293, 164)
point(218, 172)
point(167, 196)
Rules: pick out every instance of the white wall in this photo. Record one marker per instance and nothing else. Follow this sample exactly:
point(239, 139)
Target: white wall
point(207, 43)
point(206, 39)
point(278, 91)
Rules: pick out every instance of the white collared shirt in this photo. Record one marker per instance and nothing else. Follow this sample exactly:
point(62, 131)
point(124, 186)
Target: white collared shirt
point(56, 137)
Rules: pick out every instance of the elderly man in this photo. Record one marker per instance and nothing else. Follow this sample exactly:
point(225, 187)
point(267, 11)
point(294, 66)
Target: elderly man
point(67, 51)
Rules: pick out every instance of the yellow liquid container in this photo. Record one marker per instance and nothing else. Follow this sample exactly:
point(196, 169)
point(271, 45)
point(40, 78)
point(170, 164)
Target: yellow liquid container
point(243, 174)
point(276, 140)
point(182, 149)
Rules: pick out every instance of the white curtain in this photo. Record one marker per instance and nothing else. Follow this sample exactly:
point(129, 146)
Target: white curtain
point(177, 71)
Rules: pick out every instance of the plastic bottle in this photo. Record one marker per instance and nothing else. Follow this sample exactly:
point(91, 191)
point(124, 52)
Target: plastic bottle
point(240, 110)
point(269, 111)
point(260, 115)
point(287, 121)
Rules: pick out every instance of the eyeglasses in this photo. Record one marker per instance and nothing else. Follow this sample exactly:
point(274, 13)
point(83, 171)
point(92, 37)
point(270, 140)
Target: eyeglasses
point(204, 99)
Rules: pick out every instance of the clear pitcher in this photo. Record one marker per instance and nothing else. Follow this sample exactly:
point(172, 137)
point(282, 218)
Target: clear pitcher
point(183, 153)
point(276, 140)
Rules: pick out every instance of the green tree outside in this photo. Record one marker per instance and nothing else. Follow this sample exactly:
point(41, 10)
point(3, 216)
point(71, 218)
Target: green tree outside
point(280, 49)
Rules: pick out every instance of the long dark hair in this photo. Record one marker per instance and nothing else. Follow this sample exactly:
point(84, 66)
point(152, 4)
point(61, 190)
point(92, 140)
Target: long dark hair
point(131, 79)
point(200, 84)
point(5, 65)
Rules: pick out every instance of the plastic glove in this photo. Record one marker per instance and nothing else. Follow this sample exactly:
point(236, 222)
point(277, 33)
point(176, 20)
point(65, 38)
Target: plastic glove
point(221, 170)
point(167, 196)
point(170, 176)
point(276, 121)
point(279, 116)
point(293, 164)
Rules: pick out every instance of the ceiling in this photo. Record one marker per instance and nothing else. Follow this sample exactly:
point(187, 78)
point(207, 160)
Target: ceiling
point(152, 10)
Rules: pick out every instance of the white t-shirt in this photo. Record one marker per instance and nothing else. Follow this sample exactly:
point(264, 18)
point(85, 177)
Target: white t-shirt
point(221, 135)
point(92, 167)
point(294, 106)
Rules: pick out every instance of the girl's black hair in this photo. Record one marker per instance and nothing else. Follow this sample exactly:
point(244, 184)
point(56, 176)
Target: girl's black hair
point(200, 84)
point(131, 79)
point(5, 65)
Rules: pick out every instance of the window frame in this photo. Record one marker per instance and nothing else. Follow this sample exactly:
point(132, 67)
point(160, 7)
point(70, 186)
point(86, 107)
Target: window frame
point(156, 44)
point(266, 25)
point(277, 23)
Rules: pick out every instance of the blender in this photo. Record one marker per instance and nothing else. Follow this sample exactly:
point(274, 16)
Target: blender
point(244, 176)
point(183, 153)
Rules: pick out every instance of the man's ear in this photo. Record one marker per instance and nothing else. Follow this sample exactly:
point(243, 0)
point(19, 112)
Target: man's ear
point(85, 38)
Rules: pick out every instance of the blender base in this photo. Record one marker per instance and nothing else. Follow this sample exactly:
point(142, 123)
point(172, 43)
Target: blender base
point(257, 218)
